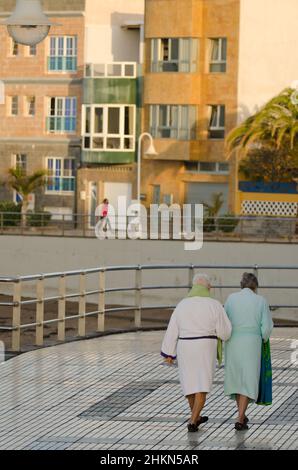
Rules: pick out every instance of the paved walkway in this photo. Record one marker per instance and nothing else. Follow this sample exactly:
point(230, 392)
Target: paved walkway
point(113, 393)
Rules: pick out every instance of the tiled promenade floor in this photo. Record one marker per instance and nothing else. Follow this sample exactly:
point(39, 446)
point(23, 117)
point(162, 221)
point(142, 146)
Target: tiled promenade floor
point(113, 393)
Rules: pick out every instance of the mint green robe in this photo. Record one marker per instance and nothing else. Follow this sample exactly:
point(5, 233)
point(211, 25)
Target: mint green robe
point(251, 322)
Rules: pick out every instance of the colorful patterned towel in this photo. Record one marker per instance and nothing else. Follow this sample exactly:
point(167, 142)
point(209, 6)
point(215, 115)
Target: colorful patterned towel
point(265, 384)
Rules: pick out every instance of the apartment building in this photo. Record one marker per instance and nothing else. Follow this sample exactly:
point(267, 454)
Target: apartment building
point(209, 64)
point(40, 124)
point(112, 101)
point(72, 103)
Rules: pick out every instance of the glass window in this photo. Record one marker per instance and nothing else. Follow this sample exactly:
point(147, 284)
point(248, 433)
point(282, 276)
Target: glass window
point(98, 120)
point(61, 175)
point(208, 167)
point(14, 105)
point(218, 60)
point(32, 50)
point(217, 122)
point(113, 120)
point(113, 127)
point(173, 122)
point(62, 115)
point(20, 162)
point(174, 55)
point(14, 48)
point(223, 167)
point(63, 54)
point(30, 105)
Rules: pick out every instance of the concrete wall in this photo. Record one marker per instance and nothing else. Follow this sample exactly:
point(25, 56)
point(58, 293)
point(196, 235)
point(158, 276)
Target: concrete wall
point(268, 39)
point(106, 40)
point(31, 255)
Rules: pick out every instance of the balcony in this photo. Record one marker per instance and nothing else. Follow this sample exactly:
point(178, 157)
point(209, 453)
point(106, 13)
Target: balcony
point(61, 124)
point(62, 64)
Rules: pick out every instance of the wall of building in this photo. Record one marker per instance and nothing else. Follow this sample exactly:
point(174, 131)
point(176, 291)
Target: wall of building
point(267, 48)
point(104, 29)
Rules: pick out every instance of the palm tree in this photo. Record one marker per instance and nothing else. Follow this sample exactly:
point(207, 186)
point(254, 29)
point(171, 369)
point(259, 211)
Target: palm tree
point(276, 125)
point(212, 209)
point(25, 185)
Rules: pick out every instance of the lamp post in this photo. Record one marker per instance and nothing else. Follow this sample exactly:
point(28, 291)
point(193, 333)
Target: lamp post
point(150, 152)
point(28, 24)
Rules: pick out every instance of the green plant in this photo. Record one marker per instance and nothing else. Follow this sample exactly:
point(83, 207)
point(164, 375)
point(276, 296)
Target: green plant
point(39, 219)
point(10, 214)
point(276, 123)
point(227, 223)
point(25, 185)
point(211, 211)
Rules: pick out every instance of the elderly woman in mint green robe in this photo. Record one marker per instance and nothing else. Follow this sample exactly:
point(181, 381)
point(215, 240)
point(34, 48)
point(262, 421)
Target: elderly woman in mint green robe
point(251, 323)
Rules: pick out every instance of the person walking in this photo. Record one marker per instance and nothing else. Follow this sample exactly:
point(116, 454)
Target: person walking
point(104, 220)
point(194, 328)
point(251, 324)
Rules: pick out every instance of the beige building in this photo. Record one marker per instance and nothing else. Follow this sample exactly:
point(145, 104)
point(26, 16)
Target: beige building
point(209, 65)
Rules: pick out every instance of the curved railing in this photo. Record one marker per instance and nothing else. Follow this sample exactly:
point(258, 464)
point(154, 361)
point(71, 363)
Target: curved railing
point(18, 285)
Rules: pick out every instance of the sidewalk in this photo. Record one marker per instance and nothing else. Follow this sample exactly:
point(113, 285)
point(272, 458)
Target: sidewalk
point(113, 393)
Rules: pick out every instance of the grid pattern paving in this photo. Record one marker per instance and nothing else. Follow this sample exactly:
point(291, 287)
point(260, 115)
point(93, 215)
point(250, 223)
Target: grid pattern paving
point(114, 393)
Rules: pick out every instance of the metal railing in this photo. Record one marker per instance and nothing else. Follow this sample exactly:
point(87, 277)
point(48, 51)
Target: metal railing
point(245, 228)
point(138, 288)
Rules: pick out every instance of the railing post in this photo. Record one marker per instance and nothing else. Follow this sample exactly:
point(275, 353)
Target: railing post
point(82, 306)
point(2, 222)
point(101, 302)
point(84, 222)
point(63, 226)
point(256, 272)
point(39, 311)
point(138, 297)
point(61, 309)
point(190, 275)
point(16, 316)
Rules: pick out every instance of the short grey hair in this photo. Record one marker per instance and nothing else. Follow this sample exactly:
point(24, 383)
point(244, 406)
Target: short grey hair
point(249, 280)
point(202, 280)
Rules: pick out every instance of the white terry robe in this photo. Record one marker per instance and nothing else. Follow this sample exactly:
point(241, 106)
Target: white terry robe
point(195, 317)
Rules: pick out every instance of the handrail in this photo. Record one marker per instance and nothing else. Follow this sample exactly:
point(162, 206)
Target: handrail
point(19, 282)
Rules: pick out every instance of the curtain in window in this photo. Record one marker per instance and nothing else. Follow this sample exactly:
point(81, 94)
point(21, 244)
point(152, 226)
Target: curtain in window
point(184, 56)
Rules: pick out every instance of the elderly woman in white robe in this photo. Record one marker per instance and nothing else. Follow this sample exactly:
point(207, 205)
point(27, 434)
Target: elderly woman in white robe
point(194, 328)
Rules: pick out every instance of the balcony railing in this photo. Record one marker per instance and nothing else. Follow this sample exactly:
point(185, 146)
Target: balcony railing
point(62, 64)
point(61, 124)
point(111, 70)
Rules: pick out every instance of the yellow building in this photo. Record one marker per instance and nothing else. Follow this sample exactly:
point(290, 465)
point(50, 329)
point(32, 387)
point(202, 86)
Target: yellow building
point(209, 65)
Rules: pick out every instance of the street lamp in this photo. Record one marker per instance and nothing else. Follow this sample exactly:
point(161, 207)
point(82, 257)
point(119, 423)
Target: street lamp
point(150, 152)
point(28, 24)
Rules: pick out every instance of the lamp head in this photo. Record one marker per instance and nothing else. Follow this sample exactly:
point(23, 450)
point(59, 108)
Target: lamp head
point(151, 150)
point(28, 24)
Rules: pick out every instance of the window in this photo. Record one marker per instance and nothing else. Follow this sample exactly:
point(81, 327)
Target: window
point(109, 127)
point(218, 59)
point(30, 105)
point(14, 105)
point(63, 54)
point(173, 122)
point(156, 194)
point(62, 115)
point(174, 55)
point(217, 122)
point(32, 50)
point(207, 167)
point(20, 162)
point(61, 175)
point(14, 48)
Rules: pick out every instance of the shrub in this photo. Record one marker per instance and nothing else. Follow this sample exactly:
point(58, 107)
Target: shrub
point(227, 223)
point(38, 219)
point(11, 213)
